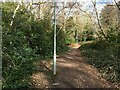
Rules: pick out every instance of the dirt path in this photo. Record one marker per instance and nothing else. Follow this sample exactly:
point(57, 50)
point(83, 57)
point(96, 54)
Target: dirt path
point(72, 72)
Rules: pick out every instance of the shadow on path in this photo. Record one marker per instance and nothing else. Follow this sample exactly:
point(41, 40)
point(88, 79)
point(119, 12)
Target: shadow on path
point(72, 72)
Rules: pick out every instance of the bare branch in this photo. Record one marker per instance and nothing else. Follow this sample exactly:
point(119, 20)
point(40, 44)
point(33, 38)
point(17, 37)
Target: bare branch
point(73, 4)
point(117, 4)
point(98, 21)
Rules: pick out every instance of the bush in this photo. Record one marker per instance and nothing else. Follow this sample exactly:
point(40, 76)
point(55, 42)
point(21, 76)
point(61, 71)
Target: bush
point(26, 41)
point(17, 55)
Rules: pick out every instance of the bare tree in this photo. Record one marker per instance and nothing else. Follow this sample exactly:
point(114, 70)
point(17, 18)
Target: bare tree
point(69, 6)
point(98, 20)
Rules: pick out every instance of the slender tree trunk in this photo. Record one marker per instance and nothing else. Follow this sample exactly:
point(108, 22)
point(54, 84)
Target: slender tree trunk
point(98, 21)
point(17, 8)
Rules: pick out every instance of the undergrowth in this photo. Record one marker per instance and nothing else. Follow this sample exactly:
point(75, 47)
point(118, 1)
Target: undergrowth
point(104, 56)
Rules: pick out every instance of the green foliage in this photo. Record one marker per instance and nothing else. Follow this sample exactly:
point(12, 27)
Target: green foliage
point(70, 30)
point(41, 38)
point(104, 56)
point(17, 56)
point(26, 41)
point(61, 40)
point(98, 45)
point(112, 35)
point(69, 39)
point(87, 35)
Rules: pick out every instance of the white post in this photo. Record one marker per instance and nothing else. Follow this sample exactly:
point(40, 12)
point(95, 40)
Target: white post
point(54, 59)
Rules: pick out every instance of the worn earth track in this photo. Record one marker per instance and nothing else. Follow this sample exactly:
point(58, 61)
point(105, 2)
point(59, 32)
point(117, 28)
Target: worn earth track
point(72, 72)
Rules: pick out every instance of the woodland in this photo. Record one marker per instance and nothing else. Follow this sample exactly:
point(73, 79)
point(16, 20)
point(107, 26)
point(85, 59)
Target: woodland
point(28, 39)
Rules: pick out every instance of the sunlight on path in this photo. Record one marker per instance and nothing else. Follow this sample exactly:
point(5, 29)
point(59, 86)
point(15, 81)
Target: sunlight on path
point(73, 72)
point(75, 45)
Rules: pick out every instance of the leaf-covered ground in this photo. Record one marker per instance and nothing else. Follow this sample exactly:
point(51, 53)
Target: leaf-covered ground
point(72, 72)
point(104, 56)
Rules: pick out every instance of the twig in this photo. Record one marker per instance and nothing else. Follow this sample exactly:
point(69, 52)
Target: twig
point(117, 4)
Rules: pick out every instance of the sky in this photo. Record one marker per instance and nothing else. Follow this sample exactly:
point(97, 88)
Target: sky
point(86, 3)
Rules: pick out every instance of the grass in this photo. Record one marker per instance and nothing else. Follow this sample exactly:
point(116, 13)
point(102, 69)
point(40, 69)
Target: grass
point(104, 56)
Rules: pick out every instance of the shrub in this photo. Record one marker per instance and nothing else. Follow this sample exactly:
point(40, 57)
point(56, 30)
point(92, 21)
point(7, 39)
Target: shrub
point(24, 43)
